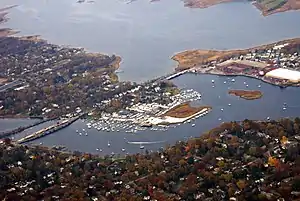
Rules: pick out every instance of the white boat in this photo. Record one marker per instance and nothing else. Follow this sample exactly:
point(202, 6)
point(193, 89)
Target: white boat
point(247, 85)
point(193, 125)
point(123, 150)
point(142, 147)
point(222, 109)
point(233, 80)
point(80, 133)
point(225, 82)
point(284, 108)
point(108, 144)
point(229, 104)
point(259, 86)
point(86, 134)
point(219, 119)
point(77, 131)
point(213, 86)
point(213, 81)
point(97, 149)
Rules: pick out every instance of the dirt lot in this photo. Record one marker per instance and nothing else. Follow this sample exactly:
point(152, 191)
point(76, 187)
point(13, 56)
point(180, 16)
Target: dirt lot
point(184, 110)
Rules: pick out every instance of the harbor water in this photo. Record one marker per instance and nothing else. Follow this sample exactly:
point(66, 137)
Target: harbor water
point(225, 107)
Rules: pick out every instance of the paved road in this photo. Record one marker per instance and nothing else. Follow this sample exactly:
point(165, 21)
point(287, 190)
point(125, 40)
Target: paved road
point(10, 85)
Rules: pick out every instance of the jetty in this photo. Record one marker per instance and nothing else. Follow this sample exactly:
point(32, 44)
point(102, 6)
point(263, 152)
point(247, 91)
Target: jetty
point(48, 130)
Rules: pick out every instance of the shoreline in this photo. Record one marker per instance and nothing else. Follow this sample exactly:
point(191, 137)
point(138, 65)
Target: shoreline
point(82, 171)
point(168, 120)
point(200, 52)
point(219, 62)
point(283, 6)
point(248, 76)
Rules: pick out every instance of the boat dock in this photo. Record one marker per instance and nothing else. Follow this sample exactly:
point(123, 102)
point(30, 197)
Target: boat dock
point(46, 131)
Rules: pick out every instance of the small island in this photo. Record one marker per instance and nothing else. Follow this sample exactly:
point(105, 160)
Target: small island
point(246, 94)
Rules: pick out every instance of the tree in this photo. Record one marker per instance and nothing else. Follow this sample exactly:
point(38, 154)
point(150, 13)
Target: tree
point(7, 141)
point(241, 184)
point(182, 162)
point(221, 164)
point(284, 140)
point(227, 177)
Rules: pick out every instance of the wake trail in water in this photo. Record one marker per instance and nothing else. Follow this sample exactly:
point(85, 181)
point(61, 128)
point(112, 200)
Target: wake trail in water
point(147, 142)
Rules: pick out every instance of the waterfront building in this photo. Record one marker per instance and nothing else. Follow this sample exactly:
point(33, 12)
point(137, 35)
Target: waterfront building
point(284, 74)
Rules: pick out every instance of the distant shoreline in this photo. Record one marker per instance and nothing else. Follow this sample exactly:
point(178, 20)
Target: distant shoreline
point(206, 61)
point(265, 7)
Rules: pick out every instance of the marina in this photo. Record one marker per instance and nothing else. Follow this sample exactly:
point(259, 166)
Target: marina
point(102, 142)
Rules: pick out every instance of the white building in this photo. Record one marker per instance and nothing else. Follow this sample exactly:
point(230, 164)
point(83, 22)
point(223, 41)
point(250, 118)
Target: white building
point(282, 73)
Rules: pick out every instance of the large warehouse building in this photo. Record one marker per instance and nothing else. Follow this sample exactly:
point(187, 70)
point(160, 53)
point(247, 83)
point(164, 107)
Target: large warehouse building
point(286, 74)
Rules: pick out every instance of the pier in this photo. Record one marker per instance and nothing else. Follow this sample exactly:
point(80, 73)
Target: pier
point(46, 131)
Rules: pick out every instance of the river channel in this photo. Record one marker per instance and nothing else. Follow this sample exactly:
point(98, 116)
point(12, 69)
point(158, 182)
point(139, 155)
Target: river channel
point(146, 35)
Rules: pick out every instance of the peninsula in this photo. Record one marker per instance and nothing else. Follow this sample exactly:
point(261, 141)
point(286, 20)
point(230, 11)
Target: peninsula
point(185, 110)
point(178, 114)
point(246, 94)
point(267, 7)
point(277, 63)
point(48, 81)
